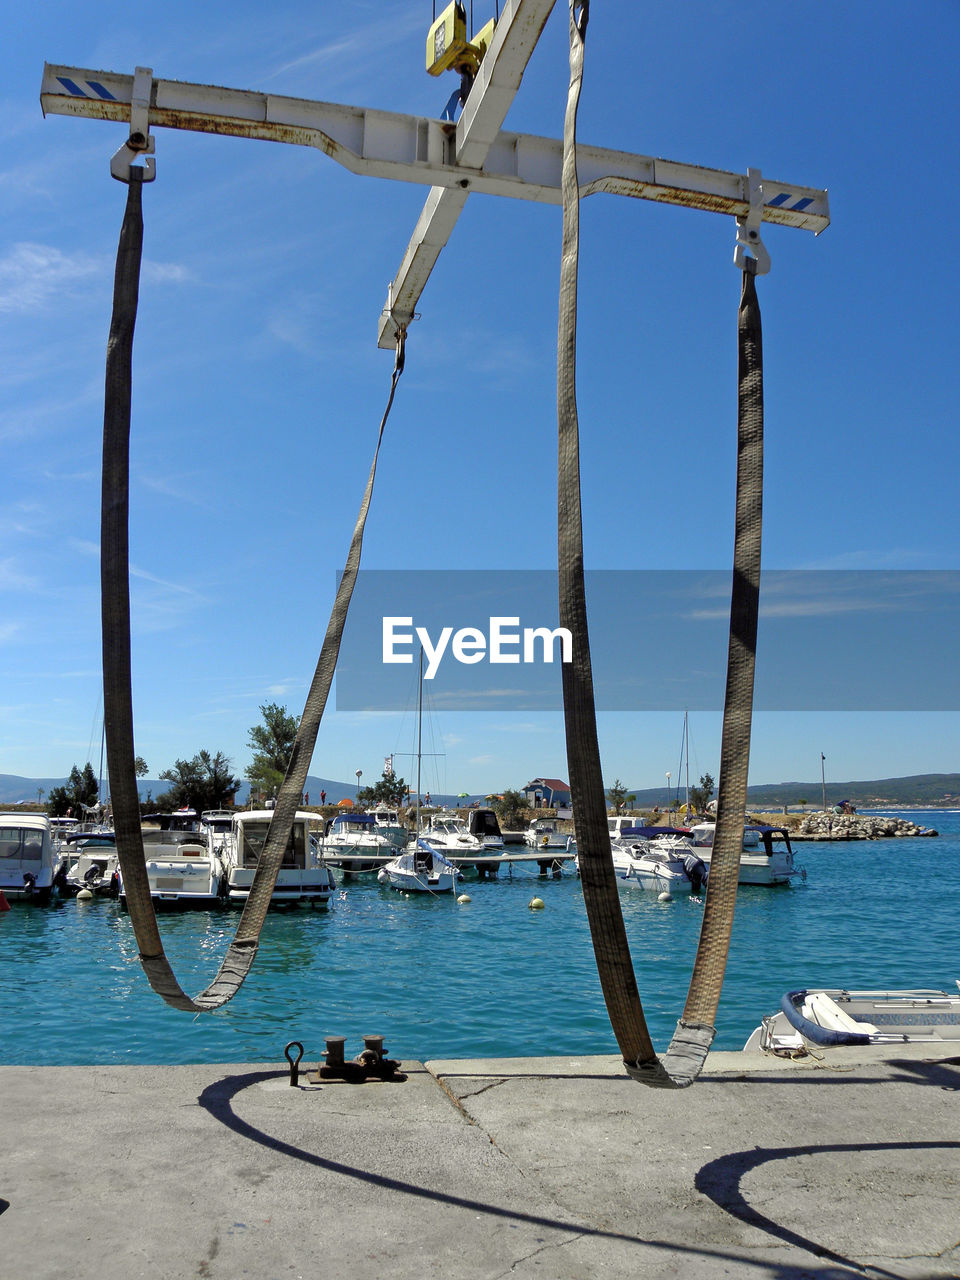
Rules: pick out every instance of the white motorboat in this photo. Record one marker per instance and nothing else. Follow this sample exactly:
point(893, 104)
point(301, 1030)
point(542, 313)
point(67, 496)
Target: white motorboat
point(767, 857)
point(622, 823)
point(304, 875)
point(91, 863)
point(421, 869)
point(358, 842)
point(183, 870)
point(483, 824)
point(545, 833)
point(387, 823)
point(449, 835)
point(664, 864)
point(830, 1018)
point(28, 860)
point(219, 823)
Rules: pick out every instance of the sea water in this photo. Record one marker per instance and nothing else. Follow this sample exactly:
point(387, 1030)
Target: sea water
point(488, 978)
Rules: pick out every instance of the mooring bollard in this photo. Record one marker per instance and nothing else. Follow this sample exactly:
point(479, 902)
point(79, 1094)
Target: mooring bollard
point(294, 1062)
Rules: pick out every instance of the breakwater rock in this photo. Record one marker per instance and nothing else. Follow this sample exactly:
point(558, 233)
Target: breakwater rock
point(855, 826)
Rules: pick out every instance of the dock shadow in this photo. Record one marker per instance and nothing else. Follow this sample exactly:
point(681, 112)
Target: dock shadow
point(218, 1099)
point(720, 1180)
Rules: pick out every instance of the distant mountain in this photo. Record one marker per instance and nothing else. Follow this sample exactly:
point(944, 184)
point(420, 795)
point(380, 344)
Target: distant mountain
point(919, 789)
point(17, 790)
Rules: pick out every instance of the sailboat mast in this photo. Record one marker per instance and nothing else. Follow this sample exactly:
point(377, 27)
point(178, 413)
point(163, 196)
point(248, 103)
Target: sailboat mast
point(686, 743)
point(419, 733)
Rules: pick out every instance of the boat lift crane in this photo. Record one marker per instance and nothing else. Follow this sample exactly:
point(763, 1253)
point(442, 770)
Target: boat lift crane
point(474, 154)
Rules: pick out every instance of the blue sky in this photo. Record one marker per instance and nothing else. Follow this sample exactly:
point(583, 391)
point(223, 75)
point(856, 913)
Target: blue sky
point(259, 385)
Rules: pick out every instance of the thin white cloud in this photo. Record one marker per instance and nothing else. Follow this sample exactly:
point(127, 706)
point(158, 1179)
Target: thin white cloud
point(33, 275)
point(380, 31)
point(11, 578)
point(179, 487)
point(177, 587)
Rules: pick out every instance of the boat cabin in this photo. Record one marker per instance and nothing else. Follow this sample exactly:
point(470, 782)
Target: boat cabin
point(251, 835)
point(483, 822)
point(28, 861)
point(757, 838)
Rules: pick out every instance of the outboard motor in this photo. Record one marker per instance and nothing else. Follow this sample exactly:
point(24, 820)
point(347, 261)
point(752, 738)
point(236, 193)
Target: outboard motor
point(29, 884)
point(696, 871)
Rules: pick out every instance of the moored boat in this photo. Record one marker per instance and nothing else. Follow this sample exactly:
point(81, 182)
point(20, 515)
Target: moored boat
point(662, 864)
point(183, 870)
point(448, 834)
point(304, 875)
point(91, 863)
point(483, 824)
point(358, 842)
point(28, 860)
point(545, 833)
point(767, 856)
point(420, 869)
point(828, 1018)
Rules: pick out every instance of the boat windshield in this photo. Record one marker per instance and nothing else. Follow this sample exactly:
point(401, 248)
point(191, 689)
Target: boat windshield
point(254, 834)
point(15, 842)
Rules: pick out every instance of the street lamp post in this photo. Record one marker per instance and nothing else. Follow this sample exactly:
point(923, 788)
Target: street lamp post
point(359, 776)
point(823, 784)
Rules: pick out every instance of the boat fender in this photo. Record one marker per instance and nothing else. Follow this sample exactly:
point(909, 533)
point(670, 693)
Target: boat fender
point(464, 897)
point(85, 895)
point(665, 896)
point(536, 904)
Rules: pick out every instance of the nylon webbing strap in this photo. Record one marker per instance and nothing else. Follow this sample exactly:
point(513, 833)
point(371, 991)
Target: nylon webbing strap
point(695, 1031)
point(117, 696)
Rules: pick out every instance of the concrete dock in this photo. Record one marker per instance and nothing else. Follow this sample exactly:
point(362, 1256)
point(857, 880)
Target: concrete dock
point(549, 1168)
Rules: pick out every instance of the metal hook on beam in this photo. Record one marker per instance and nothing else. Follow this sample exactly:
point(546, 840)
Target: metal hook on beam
point(140, 142)
point(748, 231)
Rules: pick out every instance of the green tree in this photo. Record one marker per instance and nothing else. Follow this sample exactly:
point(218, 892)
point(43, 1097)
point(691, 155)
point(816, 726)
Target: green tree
point(617, 795)
point(80, 791)
point(140, 767)
point(511, 809)
point(701, 796)
point(205, 782)
point(272, 746)
point(388, 789)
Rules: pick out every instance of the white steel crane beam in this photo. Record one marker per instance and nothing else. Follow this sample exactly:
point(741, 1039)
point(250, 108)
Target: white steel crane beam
point(418, 149)
point(498, 78)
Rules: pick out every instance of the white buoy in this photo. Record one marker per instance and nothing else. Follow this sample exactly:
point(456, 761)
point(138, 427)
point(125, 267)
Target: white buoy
point(84, 895)
point(664, 897)
point(536, 904)
point(464, 897)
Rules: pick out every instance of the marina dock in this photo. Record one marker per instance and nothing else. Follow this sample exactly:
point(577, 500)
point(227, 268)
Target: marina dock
point(551, 1168)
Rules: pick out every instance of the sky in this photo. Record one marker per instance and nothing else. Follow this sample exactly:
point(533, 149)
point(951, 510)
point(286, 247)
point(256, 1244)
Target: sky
point(258, 384)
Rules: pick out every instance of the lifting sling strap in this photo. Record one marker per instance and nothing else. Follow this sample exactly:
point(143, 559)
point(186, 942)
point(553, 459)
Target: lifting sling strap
point(695, 1031)
point(117, 696)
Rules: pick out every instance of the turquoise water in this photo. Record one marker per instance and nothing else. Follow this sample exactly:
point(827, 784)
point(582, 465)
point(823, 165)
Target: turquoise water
point(487, 979)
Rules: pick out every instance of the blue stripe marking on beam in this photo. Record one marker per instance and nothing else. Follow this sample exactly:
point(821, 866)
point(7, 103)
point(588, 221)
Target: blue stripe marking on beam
point(802, 204)
point(782, 198)
point(71, 87)
point(98, 88)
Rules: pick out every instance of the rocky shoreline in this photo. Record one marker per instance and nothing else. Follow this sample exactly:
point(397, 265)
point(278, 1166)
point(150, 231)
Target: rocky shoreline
point(854, 826)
